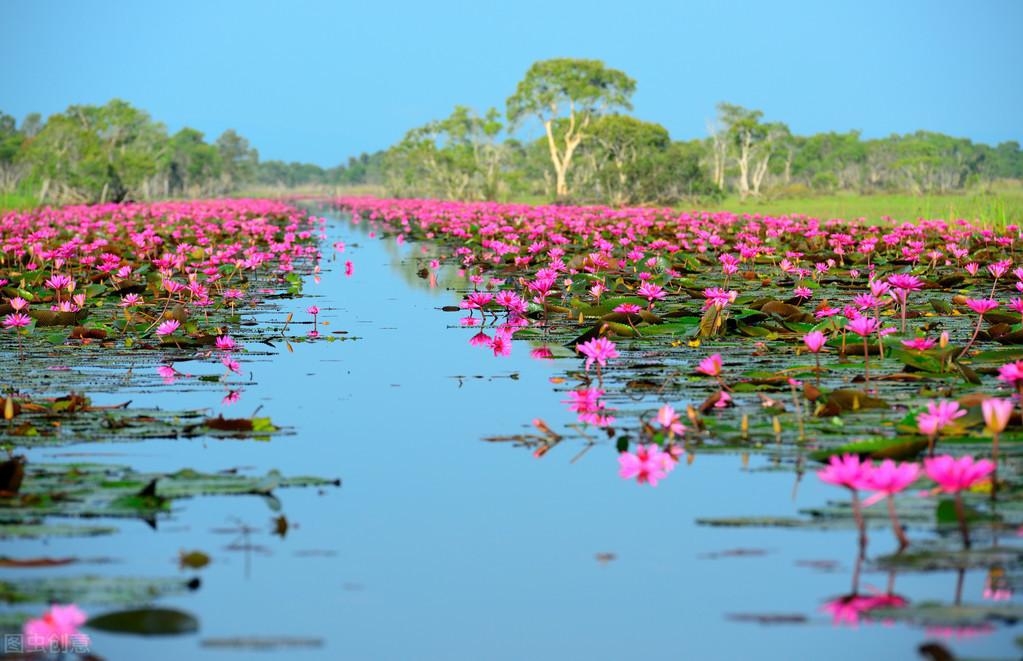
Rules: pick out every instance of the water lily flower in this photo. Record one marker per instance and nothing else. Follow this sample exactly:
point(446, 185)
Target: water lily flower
point(711, 365)
point(996, 413)
point(980, 306)
point(956, 475)
point(996, 417)
point(225, 342)
point(599, 350)
point(168, 327)
point(919, 343)
point(18, 303)
point(16, 320)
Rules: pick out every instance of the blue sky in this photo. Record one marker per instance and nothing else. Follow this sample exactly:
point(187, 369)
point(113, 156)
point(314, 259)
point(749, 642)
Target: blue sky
point(319, 81)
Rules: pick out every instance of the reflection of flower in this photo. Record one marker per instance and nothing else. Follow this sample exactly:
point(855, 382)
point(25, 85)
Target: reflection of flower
point(586, 403)
point(542, 353)
point(670, 421)
point(849, 609)
point(648, 464)
point(57, 627)
point(961, 631)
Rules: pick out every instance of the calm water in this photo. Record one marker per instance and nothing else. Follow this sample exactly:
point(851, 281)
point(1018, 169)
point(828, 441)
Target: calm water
point(439, 545)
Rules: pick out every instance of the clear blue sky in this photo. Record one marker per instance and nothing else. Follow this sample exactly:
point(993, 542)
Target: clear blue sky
point(319, 81)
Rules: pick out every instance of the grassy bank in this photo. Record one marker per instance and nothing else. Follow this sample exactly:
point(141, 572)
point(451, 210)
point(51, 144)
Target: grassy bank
point(996, 208)
point(16, 201)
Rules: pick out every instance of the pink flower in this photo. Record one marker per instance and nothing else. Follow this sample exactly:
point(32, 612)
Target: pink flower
point(225, 342)
point(724, 400)
point(863, 326)
point(130, 300)
point(711, 365)
point(18, 303)
point(168, 327)
point(1011, 373)
point(17, 320)
point(651, 292)
point(814, 341)
point(803, 292)
point(600, 350)
point(954, 475)
point(996, 413)
point(846, 471)
point(313, 310)
point(918, 343)
point(889, 478)
point(349, 269)
point(628, 308)
point(649, 464)
point(57, 627)
point(981, 305)
point(905, 282)
point(945, 411)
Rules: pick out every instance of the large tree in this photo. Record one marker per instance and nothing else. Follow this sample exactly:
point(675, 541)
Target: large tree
point(573, 90)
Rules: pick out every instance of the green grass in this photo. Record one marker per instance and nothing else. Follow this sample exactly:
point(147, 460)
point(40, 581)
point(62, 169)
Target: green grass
point(1000, 206)
point(10, 201)
point(995, 209)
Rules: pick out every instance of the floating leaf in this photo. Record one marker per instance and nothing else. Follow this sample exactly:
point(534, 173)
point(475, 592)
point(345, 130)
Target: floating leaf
point(146, 622)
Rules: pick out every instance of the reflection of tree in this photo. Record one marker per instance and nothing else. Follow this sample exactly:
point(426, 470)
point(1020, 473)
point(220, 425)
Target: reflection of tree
point(408, 266)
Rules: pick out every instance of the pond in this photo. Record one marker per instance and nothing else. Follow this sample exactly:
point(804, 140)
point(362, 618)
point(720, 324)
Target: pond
point(460, 527)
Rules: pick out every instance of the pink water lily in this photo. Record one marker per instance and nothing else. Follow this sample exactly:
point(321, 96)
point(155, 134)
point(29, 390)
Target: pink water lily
point(168, 327)
point(711, 365)
point(598, 350)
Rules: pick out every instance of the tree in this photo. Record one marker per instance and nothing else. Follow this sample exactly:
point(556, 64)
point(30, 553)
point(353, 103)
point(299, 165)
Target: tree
point(189, 165)
point(577, 90)
point(11, 141)
point(752, 144)
point(621, 145)
point(458, 157)
point(96, 153)
point(238, 158)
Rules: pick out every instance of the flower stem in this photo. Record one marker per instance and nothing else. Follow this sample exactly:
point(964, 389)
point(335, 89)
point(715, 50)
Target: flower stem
point(900, 534)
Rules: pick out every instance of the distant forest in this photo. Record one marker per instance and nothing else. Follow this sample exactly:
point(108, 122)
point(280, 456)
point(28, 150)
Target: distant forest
point(591, 151)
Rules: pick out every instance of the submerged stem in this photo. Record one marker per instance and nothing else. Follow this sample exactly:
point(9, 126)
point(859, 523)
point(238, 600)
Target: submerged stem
point(961, 515)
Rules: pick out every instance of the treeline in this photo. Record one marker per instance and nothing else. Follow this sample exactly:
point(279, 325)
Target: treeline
point(590, 151)
point(116, 152)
